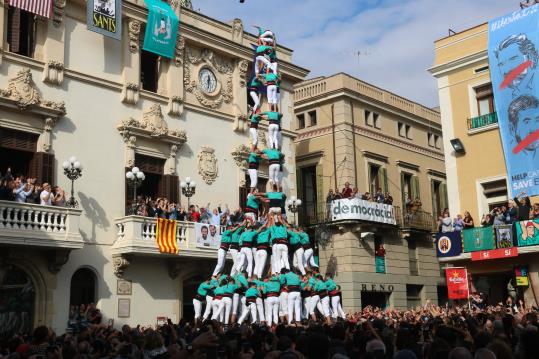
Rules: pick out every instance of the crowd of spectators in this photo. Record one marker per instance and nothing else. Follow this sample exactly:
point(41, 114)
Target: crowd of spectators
point(349, 192)
point(22, 189)
point(518, 209)
point(426, 332)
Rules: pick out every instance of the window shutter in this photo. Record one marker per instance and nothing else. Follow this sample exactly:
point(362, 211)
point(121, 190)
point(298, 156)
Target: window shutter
point(320, 198)
point(433, 199)
point(415, 188)
point(403, 197)
point(299, 182)
point(42, 167)
point(383, 180)
point(443, 196)
point(14, 30)
point(18, 140)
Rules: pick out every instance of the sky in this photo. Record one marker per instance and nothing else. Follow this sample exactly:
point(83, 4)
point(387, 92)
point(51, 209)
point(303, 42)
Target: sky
point(394, 38)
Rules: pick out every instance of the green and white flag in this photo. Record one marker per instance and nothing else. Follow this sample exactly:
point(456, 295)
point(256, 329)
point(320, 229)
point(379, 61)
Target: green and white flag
point(161, 29)
point(478, 239)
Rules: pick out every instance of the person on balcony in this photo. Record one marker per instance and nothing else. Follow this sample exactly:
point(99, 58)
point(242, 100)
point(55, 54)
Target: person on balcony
point(468, 220)
point(347, 190)
point(217, 214)
point(512, 212)
point(379, 196)
point(458, 223)
point(524, 206)
point(445, 223)
point(23, 189)
point(388, 199)
point(46, 195)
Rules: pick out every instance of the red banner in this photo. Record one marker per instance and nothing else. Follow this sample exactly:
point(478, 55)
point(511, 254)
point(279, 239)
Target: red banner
point(457, 283)
point(495, 254)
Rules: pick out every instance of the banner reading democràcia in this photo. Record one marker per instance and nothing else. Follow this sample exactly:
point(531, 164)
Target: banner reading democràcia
point(105, 17)
point(161, 28)
point(354, 208)
point(457, 283)
point(208, 235)
point(513, 51)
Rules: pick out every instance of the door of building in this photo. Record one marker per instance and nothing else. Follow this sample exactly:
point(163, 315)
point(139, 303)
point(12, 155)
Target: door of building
point(374, 299)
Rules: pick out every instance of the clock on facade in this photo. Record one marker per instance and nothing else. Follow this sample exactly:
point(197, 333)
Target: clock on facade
point(207, 80)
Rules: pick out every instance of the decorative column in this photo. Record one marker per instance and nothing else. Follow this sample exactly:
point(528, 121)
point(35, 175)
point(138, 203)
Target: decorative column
point(53, 49)
point(240, 154)
point(175, 79)
point(240, 96)
point(131, 65)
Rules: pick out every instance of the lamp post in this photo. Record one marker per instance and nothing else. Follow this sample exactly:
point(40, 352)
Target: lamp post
point(293, 206)
point(188, 189)
point(72, 170)
point(135, 178)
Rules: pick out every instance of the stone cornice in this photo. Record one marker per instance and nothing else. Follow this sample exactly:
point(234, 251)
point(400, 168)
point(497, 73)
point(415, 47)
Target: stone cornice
point(443, 69)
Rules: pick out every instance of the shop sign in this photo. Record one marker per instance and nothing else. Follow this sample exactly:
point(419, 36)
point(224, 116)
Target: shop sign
point(377, 287)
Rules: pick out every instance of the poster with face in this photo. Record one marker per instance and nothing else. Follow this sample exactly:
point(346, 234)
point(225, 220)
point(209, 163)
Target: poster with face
point(208, 235)
point(514, 57)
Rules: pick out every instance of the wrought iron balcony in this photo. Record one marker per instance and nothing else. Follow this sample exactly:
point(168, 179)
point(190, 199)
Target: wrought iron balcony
point(39, 226)
point(137, 235)
point(415, 220)
point(478, 122)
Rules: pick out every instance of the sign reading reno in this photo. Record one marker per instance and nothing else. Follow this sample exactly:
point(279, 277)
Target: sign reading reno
point(354, 208)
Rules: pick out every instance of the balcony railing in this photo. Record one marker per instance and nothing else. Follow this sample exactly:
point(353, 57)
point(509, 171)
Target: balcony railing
point(42, 226)
point(478, 122)
point(137, 235)
point(417, 220)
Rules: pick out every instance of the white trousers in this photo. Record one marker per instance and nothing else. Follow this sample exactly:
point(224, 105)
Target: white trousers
point(261, 59)
point(308, 258)
point(272, 310)
point(298, 260)
point(235, 254)
point(260, 262)
point(274, 173)
point(245, 261)
point(251, 309)
point(306, 307)
point(336, 307)
point(197, 304)
point(294, 307)
point(272, 94)
point(273, 136)
point(207, 311)
point(313, 303)
point(235, 303)
point(283, 304)
point(221, 256)
point(216, 303)
point(225, 307)
point(254, 138)
point(256, 99)
point(323, 306)
point(280, 254)
point(253, 175)
point(260, 309)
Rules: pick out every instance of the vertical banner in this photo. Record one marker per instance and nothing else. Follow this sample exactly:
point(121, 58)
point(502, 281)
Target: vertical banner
point(478, 239)
point(504, 236)
point(448, 244)
point(521, 276)
point(513, 53)
point(165, 236)
point(105, 17)
point(527, 232)
point(161, 28)
point(380, 263)
point(457, 283)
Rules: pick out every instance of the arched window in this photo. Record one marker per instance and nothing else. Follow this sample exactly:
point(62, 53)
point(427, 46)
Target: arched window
point(17, 303)
point(83, 287)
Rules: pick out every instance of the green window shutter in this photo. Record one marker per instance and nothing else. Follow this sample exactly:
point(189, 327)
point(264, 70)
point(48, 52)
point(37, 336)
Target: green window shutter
point(443, 196)
point(320, 198)
point(299, 183)
point(415, 188)
point(433, 199)
point(383, 180)
point(403, 197)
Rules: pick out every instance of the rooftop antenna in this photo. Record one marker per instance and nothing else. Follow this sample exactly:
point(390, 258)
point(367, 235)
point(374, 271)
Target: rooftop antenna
point(451, 32)
point(528, 3)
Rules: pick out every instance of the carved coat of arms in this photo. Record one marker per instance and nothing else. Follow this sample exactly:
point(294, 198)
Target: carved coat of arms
point(207, 165)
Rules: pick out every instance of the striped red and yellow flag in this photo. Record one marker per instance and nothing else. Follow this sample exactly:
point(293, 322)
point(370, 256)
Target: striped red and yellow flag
point(39, 7)
point(165, 235)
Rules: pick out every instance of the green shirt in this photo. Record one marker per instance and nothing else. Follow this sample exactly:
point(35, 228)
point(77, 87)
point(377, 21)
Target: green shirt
point(220, 290)
point(252, 201)
point(304, 238)
point(290, 278)
point(240, 278)
point(226, 237)
point(273, 285)
point(262, 49)
point(271, 77)
point(273, 117)
point(263, 237)
point(255, 83)
point(278, 232)
point(247, 236)
point(273, 155)
point(231, 288)
point(236, 235)
point(320, 286)
point(275, 199)
point(294, 238)
point(251, 293)
point(203, 289)
point(214, 283)
point(255, 119)
point(330, 284)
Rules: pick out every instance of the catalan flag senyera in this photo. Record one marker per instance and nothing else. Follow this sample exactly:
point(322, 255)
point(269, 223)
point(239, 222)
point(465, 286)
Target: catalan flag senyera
point(165, 236)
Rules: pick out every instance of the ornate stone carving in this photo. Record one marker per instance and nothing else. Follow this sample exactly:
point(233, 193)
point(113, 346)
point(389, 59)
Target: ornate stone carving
point(130, 93)
point(152, 125)
point(22, 90)
point(237, 30)
point(186, 4)
point(240, 154)
point(224, 67)
point(120, 264)
point(131, 142)
point(179, 51)
point(175, 106)
point(240, 123)
point(134, 31)
point(53, 72)
point(56, 259)
point(262, 140)
point(243, 66)
point(58, 12)
point(207, 165)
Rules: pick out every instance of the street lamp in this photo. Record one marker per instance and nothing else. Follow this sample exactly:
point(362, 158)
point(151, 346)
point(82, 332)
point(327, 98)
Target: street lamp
point(73, 170)
point(188, 189)
point(293, 206)
point(135, 178)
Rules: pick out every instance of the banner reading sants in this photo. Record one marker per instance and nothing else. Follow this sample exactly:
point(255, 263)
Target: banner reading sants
point(513, 51)
point(354, 208)
point(457, 283)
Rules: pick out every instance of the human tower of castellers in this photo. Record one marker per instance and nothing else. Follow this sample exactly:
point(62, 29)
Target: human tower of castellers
point(277, 292)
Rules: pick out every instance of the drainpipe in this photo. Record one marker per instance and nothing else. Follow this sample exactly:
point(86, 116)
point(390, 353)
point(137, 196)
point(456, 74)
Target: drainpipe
point(354, 143)
point(333, 135)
